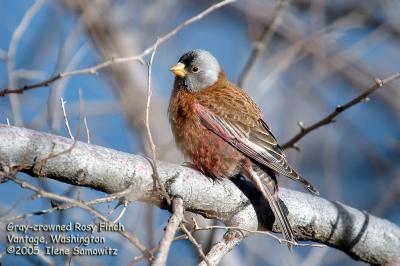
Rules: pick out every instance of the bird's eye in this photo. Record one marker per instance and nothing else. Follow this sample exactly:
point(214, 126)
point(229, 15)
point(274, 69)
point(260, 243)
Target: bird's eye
point(195, 69)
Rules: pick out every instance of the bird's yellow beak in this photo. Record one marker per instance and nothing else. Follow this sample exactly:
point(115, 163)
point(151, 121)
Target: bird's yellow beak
point(179, 70)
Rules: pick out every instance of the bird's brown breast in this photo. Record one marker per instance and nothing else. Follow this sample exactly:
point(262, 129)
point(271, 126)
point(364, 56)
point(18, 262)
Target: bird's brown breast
point(210, 153)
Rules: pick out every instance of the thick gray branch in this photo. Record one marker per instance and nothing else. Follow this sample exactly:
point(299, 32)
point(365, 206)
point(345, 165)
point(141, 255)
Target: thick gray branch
point(237, 203)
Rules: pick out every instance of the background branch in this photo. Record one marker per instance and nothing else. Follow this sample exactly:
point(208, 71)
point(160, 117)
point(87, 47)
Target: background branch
point(94, 69)
point(12, 50)
point(339, 109)
point(261, 44)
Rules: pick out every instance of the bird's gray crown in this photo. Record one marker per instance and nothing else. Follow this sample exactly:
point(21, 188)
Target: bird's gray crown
point(202, 69)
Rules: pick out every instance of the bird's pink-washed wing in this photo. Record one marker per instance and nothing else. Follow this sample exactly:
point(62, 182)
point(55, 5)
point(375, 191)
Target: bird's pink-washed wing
point(257, 143)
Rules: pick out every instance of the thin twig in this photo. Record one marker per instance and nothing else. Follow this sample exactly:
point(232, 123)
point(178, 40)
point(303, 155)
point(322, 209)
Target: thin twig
point(196, 244)
point(66, 118)
point(94, 69)
point(122, 213)
point(156, 176)
point(170, 230)
point(52, 155)
point(280, 240)
point(81, 113)
point(109, 198)
point(261, 44)
point(339, 109)
point(45, 83)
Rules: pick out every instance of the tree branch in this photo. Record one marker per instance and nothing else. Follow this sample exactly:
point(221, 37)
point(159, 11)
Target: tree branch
point(223, 247)
point(94, 69)
point(235, 202)
point(157, 181)
point(339, 109)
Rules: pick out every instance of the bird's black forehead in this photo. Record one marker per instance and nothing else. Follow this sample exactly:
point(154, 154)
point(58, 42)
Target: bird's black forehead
point(188, 58)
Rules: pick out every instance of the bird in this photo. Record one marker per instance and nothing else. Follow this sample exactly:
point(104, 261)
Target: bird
point(220, 129)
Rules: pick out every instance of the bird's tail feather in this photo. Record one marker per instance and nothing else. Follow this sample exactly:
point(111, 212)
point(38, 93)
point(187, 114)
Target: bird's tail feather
point(268, 188)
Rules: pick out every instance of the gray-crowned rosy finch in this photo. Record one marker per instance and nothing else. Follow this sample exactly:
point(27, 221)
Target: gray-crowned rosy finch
point(220, 129)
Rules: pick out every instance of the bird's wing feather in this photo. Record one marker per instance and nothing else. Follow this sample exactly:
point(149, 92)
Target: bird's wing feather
point(239, 122)
point(255, 143)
